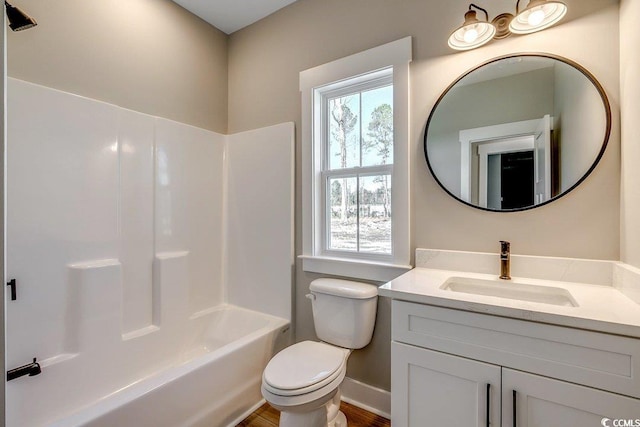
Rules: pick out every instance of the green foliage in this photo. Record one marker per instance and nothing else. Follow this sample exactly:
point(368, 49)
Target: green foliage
point(381, 132)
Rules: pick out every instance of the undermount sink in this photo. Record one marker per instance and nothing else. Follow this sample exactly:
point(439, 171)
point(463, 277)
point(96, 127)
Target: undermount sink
point(510, 290)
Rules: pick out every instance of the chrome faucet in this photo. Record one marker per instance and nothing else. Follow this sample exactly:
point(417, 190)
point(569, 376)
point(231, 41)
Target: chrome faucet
point(505, 260)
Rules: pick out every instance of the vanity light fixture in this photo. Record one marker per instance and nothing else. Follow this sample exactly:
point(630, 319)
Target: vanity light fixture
point(538, 15)
point(472, 33)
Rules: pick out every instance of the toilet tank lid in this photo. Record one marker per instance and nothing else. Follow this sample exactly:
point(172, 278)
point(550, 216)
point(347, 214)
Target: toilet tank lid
point(344, 288)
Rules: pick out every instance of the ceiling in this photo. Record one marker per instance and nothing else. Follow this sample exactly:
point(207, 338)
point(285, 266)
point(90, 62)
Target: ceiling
point(232, 15)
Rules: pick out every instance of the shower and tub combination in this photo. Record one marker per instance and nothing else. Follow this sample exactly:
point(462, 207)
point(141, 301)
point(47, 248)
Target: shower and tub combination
point(209, 377)
point(148, 291)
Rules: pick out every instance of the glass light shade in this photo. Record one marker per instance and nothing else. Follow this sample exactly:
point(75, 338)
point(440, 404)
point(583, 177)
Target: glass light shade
point(538, 15)
point(472, 34)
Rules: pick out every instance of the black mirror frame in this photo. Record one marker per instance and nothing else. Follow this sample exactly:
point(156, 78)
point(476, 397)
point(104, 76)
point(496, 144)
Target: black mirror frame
point(583, 70)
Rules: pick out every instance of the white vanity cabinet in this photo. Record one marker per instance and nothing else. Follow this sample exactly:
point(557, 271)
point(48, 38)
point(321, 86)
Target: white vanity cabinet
point(541, 401)
point(429, 388)
point(443, 359)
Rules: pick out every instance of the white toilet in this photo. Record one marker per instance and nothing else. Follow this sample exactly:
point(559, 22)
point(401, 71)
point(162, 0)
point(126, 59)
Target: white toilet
point(302, 381)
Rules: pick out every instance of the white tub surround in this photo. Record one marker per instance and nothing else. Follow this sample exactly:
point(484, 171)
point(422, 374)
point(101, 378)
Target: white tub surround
point(260, 218)
point(603, 290)
point(117, 235)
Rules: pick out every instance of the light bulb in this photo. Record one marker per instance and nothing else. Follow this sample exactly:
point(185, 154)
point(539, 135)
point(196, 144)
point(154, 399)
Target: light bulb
point(536, 17)
point(470, 35)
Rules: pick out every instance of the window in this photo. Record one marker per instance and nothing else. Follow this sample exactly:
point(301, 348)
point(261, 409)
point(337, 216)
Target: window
point(355, 164)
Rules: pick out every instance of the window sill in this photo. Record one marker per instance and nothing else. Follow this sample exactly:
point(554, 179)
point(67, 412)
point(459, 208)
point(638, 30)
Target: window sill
point(356, 269)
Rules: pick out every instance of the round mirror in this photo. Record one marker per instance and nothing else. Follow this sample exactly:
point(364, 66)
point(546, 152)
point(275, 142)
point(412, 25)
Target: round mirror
point(517, 132)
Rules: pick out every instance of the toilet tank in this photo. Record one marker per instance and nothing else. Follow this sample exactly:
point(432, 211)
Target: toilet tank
point(344, 312)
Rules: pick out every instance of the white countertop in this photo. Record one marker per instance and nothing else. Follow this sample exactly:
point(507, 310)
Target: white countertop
point(600, 308)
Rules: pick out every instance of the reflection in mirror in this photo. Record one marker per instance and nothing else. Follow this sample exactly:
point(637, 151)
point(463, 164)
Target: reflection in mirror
point(517, 132)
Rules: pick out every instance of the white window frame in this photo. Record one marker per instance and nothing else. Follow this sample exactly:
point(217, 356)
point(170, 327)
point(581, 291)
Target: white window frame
point(389, 59)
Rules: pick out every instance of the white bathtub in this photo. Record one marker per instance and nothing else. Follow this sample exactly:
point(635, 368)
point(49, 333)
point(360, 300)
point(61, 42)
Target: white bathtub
point(213, 381)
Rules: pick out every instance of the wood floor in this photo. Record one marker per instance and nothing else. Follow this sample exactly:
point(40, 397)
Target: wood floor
point(266, 416)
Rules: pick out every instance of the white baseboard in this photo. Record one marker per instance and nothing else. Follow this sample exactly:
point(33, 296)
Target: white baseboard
point(372, 399)
point(367, 397)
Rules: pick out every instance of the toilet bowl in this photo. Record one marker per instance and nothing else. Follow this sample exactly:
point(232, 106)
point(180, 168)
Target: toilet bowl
point(303, 380)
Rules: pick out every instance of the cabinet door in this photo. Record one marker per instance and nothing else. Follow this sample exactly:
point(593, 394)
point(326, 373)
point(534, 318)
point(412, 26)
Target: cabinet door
point(543, 402)
point(430, 388)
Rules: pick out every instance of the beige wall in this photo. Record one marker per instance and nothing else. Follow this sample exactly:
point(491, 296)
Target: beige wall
point(150, 56)
point(264, 64)
point(630, 111)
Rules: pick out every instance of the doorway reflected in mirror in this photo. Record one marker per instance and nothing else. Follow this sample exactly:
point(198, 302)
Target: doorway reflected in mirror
point(546, 106)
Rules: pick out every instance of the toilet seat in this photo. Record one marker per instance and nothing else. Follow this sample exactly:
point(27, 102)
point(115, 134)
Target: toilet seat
point(304, 368)
point(306, 401)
